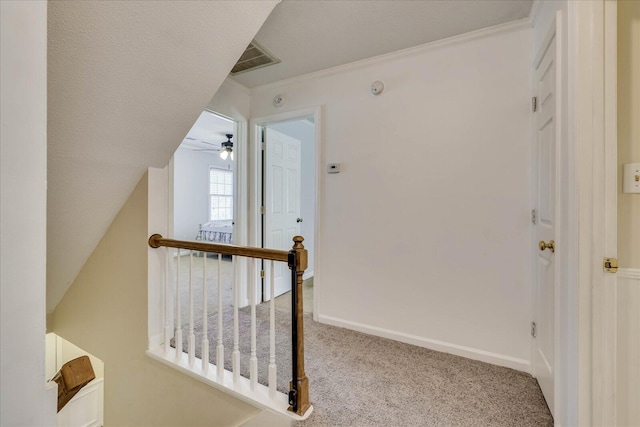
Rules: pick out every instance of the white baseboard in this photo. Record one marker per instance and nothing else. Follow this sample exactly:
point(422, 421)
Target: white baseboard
point(307, 274)
point(445, 347)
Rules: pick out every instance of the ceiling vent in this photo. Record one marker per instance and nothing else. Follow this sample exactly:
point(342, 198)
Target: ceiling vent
point(254, 57)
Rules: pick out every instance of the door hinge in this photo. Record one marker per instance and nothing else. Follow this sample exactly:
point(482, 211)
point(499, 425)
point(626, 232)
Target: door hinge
point(262, 145)
point(262, 274)
point(610, 265)
point(533, 329)
point(534, 104)
point(262, 210)
point(533, 216)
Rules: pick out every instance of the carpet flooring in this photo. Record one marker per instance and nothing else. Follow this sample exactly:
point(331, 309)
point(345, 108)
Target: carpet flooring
point(212, 285)
point(283, 302)
point(362, 380)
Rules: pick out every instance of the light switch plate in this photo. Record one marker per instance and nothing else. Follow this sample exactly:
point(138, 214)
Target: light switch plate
point(631, 178)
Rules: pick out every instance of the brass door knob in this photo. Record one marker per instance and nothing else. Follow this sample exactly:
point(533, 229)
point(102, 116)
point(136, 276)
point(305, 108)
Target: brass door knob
point(551, 245)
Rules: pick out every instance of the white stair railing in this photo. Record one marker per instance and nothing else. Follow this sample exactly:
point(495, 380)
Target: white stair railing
point(220, 347)
point(296, 402)
point(272, 334)
point(205, 317)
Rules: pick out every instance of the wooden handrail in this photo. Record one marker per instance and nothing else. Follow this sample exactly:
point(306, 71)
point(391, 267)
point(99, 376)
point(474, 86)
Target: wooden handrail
point(156, 240)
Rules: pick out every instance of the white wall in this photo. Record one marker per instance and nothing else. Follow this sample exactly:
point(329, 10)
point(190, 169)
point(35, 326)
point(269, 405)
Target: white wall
point(305, 132)
point(424, 235)
point(191, 189)
point(23, 195)
point(232, 100)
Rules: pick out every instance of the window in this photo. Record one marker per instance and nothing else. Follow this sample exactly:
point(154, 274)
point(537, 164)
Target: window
point(221, 194)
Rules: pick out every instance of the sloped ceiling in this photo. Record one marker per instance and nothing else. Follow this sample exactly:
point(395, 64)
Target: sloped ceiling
point(127, 80)
point(315, 35)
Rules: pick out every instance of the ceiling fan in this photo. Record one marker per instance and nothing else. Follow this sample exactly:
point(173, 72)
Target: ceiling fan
point(227, 147)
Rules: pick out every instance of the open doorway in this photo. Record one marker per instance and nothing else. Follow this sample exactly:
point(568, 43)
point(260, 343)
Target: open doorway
point(288, 194)
point(204, 181)
point(205, 197)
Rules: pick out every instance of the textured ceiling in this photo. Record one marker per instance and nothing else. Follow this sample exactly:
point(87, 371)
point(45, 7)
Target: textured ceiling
point(315, 35)
point(127, 80)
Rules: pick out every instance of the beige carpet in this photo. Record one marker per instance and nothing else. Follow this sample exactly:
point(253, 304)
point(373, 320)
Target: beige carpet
point(283, 302)
point(212, 285)
point(362, 380)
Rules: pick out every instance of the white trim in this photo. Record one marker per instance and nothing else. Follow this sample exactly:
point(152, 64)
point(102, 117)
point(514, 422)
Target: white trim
point(534, 12)
point(242, 390)
point(307, 274)
point(437, 345)
point(59, 359)
point(629, 273)
point(155, 341)
point(548, 38)
point(159, 184)
point(593, 68)
point(508, 27)
point(256, 182)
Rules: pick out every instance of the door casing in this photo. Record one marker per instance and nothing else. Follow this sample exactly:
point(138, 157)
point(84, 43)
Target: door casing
point(255, 191)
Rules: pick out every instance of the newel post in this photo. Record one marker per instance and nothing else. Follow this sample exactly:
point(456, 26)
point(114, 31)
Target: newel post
point(299, 396)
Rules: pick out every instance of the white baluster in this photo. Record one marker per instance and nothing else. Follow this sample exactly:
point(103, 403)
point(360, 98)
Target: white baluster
point(205, 316)
point(220, 347)
point(253, 360)
point(178, 321)
point(235, 356)
point(167, 302)
point(191, 347)
point(272, 335)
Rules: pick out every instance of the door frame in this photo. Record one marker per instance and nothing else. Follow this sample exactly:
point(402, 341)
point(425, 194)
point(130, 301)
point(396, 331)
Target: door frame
point(255, 186)
point(593, 207)
point(585, 376)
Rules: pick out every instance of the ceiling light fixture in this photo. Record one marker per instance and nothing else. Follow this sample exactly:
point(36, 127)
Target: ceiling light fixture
point(227, 147)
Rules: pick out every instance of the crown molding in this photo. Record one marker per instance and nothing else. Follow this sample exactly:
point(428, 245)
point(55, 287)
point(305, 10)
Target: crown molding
point(508, 27)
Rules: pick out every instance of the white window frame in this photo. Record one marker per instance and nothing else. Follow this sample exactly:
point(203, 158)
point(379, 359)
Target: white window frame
point(228, 173)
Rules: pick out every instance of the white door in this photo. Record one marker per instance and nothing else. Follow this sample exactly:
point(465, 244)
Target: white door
point(281, 201)
point(544, 305)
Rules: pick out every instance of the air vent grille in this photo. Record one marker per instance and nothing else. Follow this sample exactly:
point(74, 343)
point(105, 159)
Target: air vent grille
point(254, 57)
